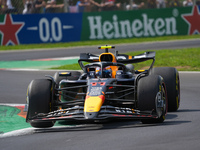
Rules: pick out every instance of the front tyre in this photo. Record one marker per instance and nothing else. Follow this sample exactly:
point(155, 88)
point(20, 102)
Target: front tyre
point(151, 95)
point(39, 97)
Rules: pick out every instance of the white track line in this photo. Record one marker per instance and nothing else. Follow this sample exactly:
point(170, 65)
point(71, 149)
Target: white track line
point(18, 132)
point(56, 58)
point(11, 104)
point(189, 71)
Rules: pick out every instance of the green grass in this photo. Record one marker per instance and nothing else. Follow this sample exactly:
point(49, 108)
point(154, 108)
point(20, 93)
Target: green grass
point(183, 59)
point(187, 59)
point(96, 42)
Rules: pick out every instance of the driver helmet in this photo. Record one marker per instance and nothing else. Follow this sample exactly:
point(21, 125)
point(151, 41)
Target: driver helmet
point(107, 72)
point(98, 71)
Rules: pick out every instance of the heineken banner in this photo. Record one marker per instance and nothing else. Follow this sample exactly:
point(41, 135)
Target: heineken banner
point(66, 27)
point(141, 23)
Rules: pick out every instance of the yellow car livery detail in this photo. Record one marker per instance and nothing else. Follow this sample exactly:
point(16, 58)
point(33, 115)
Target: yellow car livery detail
point(93, 103)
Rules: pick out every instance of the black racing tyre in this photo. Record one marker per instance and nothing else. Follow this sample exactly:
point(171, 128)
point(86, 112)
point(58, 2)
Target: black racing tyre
point(39, 101)
point(172, 81)
point(151, 95)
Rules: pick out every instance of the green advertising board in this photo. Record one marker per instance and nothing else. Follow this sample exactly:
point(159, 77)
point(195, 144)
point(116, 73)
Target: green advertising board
point(18, 29)
point(140, 23)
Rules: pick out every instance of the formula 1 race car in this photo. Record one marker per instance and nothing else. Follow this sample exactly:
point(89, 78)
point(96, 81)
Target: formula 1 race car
point(107, 88)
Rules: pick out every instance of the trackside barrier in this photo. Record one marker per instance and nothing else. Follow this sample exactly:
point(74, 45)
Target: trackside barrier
point(67, 27)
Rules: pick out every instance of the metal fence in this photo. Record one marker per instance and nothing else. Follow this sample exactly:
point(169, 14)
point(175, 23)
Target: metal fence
point(60, 6)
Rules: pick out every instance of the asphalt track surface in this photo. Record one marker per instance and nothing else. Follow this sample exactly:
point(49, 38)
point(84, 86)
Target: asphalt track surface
point(180, 131)
point(70, 52)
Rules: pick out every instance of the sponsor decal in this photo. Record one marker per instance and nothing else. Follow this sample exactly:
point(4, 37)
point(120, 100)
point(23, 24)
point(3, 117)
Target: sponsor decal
point(124, 110)
point(39, 28)
point(116, 28)
point(141, 23)
point(95, 91)
point(96, 88)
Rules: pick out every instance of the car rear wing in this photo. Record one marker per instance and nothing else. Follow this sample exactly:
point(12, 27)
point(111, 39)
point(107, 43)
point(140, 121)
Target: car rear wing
point(122, 58)
point(126, 59)
point(87, 57)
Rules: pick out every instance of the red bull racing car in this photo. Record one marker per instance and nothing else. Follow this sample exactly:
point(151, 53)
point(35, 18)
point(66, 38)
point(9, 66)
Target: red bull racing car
point(108, 87)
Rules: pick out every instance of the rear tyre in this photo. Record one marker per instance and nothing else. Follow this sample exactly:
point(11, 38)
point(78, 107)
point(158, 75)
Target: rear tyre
point(151, 94)
point(171, 78)
point(39, 97)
